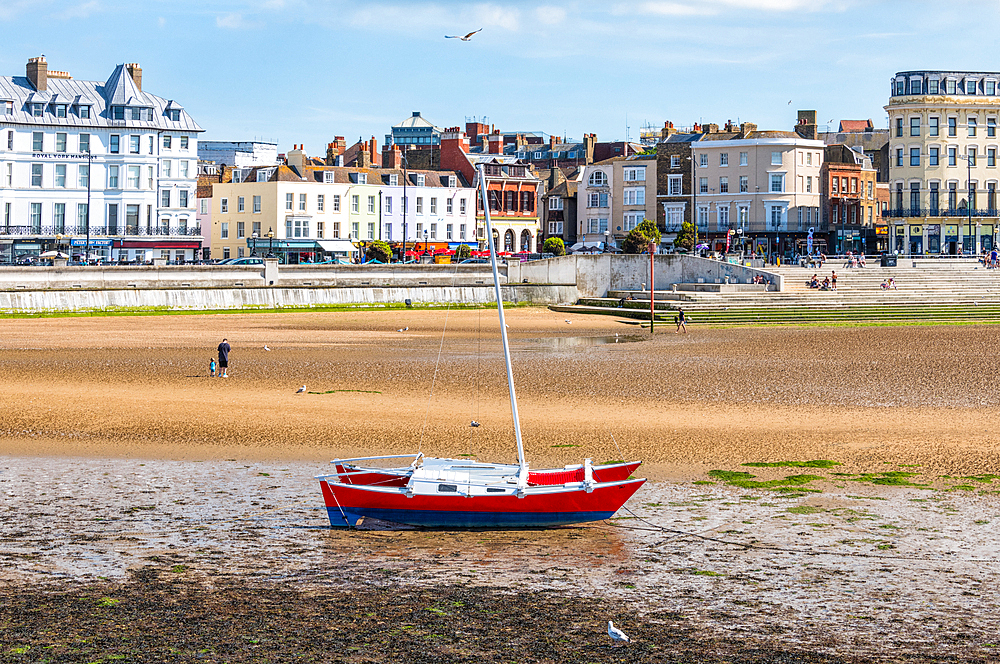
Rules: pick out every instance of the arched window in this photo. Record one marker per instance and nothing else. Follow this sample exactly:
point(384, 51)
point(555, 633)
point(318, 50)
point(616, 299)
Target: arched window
point(508, 241)
point(496, 240)
point(526, 240)
point(598, 179)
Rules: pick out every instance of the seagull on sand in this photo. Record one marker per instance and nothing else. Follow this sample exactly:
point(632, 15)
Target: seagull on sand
point(403, 329)
point(266, 348)
point(616, 634)
point(569, 322)
point(467, 37)
point(301, 390)
point(474, 424)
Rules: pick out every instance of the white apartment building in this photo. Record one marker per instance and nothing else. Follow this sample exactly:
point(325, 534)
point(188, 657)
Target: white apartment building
point(98, 155)
point(943, 172)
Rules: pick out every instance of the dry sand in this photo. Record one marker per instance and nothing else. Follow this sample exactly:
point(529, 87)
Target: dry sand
point(120, 457)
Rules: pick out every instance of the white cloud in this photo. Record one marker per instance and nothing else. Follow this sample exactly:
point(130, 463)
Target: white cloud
point(9, 10)
point(435, 17)
point(664, 9)
point(550, 15)
point(82, 10)
point(235, 21)
point(162, 22)
point(715, 7)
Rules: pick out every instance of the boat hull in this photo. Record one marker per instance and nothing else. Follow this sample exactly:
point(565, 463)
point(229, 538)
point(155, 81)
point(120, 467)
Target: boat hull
point(546, 477)
point(553, 506)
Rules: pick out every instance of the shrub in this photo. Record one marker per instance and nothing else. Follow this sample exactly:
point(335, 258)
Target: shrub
point(688, 236)
point(379, 251)
point(462, 252)
point(554, 245)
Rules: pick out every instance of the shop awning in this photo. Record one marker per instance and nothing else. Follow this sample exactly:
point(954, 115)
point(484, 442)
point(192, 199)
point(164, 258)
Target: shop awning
point(337, 246)
point(159, 244)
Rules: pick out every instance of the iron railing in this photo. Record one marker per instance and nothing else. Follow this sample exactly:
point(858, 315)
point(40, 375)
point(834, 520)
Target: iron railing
point(96, 231)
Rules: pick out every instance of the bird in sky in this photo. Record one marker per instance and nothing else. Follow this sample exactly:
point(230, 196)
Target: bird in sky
point(301, 390)
point(617, 635)
point(467, 37)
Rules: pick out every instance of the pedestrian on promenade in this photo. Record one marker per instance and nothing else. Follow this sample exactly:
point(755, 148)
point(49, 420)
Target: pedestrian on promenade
point(224, 349)
point(833, 280)
point(681, 322)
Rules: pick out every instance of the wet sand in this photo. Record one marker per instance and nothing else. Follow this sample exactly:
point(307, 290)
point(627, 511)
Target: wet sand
point(128, 473)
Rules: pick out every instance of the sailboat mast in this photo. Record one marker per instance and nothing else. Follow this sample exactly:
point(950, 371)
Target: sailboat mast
point(503, 327)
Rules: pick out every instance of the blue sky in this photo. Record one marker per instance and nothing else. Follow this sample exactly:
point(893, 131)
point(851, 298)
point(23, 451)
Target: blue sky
point(303, 71)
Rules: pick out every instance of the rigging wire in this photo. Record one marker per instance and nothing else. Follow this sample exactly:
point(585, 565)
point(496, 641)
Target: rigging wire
point(437, 365)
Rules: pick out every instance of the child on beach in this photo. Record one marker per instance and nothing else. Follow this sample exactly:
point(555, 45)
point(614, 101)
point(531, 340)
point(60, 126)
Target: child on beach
point(211, 367)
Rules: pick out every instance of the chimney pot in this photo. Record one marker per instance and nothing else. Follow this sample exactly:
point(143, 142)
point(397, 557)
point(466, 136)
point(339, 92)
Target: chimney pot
point(135, 71)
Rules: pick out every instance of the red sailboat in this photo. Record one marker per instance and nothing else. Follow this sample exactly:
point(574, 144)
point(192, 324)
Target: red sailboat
point(457, 493)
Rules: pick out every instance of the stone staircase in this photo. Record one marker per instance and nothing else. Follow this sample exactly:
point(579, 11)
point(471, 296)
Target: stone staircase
point(934, 290)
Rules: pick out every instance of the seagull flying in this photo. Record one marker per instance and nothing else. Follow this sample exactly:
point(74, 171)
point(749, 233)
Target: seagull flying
point(301, 390)
point(616, 634)
point(266, 348)
point(466, 37)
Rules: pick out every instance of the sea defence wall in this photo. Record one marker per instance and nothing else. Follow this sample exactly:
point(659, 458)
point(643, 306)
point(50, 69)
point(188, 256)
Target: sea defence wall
point(565, 279)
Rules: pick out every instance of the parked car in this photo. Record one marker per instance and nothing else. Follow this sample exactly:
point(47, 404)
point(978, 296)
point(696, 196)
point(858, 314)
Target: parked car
point(474, 260)
point(248, 260)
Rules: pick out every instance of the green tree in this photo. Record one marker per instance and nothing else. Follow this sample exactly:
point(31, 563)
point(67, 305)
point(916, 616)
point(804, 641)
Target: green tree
point(554, 245)
point(688, 236)
point(638, 239)
point(379, 251)
point(462, 252)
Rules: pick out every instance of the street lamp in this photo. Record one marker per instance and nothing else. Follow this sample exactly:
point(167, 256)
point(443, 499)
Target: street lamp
point(426, 241)
point(253, 236)
point(970, 159)
point(607, 236)
point(270, 243)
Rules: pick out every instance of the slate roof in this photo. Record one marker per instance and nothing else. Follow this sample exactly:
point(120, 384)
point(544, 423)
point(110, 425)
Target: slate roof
point(118, 90)
point(342, 175)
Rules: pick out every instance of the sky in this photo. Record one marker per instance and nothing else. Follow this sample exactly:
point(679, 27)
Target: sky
point(304, 71)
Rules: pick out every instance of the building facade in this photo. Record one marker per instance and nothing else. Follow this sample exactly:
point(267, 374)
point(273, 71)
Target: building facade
point(512, 190)
point(674, 175)
point(300, 212)
point(102, 156)
point(943, 161)
point(763, 183)
point(238, 154)
point(851, 213)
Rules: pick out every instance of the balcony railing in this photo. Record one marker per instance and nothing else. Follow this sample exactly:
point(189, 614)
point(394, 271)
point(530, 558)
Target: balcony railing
point(931, 212)
point(98, 231)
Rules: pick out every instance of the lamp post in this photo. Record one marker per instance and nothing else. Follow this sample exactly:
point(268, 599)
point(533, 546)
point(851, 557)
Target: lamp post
point(253, 236)
point(270, 243)
point(694, 201)
point(426, 241)
point(402, 255)
point(607, 236)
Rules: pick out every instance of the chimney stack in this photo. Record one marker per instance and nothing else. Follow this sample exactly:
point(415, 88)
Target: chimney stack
point(392, 156)
point(495, 143)
point(135, 71)
point(37, 72)
point(373, 150)
point(335, 149)
point(364, 159)
point(588, 147)
point(296, 160)
point(552, 142)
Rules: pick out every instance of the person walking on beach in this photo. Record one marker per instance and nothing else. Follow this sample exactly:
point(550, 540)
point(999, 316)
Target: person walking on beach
point(224, 349)
point(833, 280)
point(681, 324)
point(211, 367)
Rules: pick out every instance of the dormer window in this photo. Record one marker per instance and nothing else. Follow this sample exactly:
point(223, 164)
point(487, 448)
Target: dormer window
point(327, 177)
point(598, 179)
point(949, 86)
point(915, 86)
point(264, 174)
point(932, 86)
point(393, 180)
point(117, 112)
point(359, 178)
point(174, 114)
point(37, 110)
point(452, 181)
point(420, 179)
point(970, 86)
point(83, 111)
point(60, 110)
point(6, 107)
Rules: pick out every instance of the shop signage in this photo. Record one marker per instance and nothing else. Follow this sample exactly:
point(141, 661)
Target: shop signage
point(881, 230)
point(933, 229)
point(82, 242)
point(916, 230)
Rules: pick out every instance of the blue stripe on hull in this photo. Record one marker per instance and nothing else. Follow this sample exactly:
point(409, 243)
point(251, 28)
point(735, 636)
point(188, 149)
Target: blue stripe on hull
point(443, 519)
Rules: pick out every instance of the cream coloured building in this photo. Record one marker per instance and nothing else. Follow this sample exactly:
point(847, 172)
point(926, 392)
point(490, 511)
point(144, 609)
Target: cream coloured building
point(943, 161)
point(765, 184)
point(614, 197)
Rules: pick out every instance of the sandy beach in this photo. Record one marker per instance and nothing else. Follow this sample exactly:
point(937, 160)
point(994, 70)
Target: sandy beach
point(129, 474)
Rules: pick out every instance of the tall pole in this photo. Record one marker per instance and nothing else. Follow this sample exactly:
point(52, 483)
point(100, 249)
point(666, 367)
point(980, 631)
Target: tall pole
point(503, 327)
point(405, 177)
point(694, 201)
point(652, 317)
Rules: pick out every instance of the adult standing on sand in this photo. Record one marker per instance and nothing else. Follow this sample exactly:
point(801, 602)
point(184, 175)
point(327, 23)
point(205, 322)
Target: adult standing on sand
point(224, 349)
